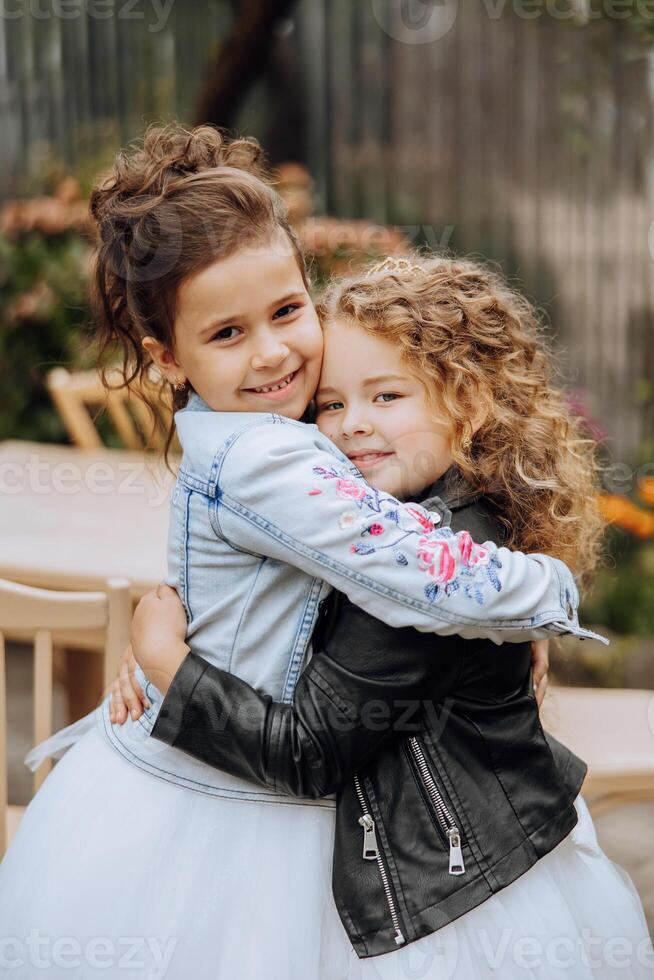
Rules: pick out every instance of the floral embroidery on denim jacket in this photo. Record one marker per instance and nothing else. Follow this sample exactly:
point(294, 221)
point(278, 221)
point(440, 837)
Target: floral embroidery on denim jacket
point(384, 527)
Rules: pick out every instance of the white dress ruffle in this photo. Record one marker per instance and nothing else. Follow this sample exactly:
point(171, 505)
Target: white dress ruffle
point(114, 872)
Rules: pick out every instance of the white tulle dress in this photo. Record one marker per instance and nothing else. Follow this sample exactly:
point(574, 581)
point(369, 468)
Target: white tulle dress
point(117, 873)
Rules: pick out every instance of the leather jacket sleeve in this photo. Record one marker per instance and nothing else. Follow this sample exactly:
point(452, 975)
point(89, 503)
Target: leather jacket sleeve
point(352, 698)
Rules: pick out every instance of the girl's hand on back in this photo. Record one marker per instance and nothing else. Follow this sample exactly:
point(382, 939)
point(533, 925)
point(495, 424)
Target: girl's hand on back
point(540, 662)
point(157, 634)
point(127, 695)
point(158, 647)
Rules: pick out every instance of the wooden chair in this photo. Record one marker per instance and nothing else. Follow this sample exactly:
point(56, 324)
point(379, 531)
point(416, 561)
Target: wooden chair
point(613, 731)
point(75, 394)
point(39, 612)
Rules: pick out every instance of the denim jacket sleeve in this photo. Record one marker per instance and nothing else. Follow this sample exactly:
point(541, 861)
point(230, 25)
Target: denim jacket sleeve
point(284, 491)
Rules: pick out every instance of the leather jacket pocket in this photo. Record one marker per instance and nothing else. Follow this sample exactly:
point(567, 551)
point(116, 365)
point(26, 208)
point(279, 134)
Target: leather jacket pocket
point(445, 819)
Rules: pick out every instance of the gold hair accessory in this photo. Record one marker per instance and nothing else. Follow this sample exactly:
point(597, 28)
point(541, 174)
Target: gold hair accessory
point(395, 264)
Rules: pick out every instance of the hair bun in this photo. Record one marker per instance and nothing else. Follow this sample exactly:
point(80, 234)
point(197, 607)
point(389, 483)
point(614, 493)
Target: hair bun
point(173, 150)
point(168, 153)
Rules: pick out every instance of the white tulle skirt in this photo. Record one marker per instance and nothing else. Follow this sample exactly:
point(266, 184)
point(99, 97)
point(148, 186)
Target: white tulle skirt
point(116, 873)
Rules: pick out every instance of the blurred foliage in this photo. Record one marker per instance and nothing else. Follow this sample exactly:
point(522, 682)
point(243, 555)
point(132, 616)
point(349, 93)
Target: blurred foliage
point(623, 596)
point(621, 603)
point(622, 599)
point(620, 606)
point(44, 307)
point(627, 662)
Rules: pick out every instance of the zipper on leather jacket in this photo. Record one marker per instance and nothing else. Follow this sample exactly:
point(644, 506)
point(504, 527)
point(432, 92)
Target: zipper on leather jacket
point(371, 852)
point(442, 811)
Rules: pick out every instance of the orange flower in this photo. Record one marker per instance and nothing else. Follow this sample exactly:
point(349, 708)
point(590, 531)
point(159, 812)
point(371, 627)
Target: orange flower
point(625, 514)
point(646, 490)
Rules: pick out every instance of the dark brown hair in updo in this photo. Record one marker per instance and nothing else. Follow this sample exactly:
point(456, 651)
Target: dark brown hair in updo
point(170, 206)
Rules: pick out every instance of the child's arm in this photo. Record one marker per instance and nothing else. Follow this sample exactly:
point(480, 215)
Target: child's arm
point(158, 633)
point(284, 492)
point(307, 748)
point(349, 702)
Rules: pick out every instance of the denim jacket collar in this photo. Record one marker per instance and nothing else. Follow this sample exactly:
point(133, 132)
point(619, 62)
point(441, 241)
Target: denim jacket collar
point(195, 403)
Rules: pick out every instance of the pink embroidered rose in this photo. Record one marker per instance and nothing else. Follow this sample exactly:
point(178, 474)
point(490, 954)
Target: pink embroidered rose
point(471, 553)
point(422, 518)
point(437, 560)
point(465, 546)
point(376, 529)
point(349, 490)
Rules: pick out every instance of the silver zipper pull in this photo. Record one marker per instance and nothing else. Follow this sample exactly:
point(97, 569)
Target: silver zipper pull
point(370, 848)
point(399, 937)
point(457, 866)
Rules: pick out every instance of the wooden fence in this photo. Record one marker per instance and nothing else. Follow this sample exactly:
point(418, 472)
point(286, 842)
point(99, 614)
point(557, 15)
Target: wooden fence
point(530, 141)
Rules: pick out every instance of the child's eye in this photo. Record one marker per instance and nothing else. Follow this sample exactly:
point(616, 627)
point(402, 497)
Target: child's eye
point(330, 407)
point(285, 310)
point(224, 333)
point(387, 396)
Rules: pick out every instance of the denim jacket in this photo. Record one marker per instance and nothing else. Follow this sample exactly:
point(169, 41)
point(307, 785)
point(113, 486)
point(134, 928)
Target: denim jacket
point(267, 517)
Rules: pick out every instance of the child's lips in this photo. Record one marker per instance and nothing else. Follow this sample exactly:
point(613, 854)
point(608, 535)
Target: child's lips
point(280, 393)
point(368, 459)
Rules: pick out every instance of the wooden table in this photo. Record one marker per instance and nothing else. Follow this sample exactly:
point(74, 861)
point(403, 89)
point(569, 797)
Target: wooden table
point(71, 518)
point(612, 730)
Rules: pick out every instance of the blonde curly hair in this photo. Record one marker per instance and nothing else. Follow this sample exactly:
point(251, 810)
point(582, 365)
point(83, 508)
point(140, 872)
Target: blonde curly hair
point(479, 348)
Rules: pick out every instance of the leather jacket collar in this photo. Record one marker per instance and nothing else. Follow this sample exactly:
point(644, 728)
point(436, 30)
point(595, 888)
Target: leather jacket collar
point(449, 493)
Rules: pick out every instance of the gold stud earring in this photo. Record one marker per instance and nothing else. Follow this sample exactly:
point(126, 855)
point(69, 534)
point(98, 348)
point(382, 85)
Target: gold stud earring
point(179, 384)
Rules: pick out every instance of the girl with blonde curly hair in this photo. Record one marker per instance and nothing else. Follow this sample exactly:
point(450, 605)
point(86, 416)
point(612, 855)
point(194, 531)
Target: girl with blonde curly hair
point(481, 352)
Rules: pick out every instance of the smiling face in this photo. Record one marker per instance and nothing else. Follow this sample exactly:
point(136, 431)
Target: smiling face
point(246, 334)
point(377, 412)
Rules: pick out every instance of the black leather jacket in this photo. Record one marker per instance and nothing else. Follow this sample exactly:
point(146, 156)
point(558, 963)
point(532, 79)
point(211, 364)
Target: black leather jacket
point(448, 787)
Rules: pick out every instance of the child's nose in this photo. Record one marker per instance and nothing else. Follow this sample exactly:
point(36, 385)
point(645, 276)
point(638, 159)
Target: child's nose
point(269, 354)
point(356, 424)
